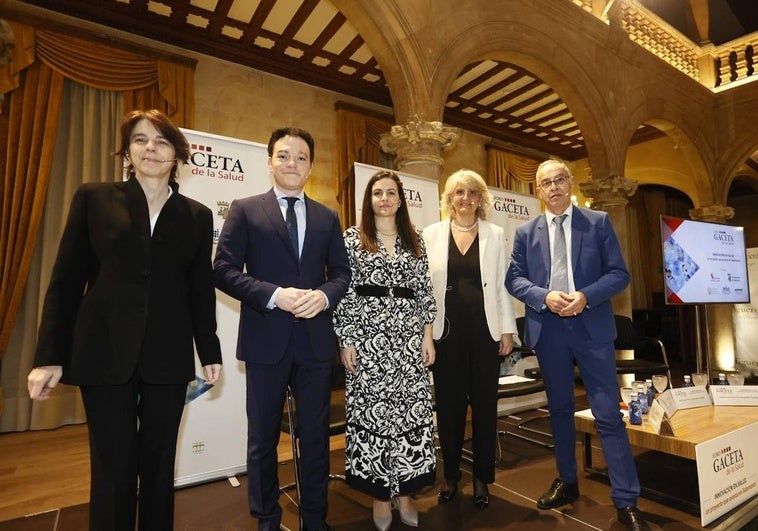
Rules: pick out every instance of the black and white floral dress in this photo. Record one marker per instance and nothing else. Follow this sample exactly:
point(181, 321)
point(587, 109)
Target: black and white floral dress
point(390, 433)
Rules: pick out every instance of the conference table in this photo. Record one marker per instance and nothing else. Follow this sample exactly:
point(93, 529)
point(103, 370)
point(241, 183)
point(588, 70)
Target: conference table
point(691, 427)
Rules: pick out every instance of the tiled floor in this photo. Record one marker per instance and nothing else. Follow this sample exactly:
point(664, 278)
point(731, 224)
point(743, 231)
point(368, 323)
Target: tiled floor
point(523, 473)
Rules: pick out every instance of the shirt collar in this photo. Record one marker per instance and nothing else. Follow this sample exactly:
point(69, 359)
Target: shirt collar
point(281, 195)
point(549, 216)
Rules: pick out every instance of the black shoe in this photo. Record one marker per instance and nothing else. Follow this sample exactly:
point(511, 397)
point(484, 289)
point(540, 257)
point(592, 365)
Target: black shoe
point(323, 527)
point(560, 493)
point(481, 494)
point(632, 519)
point(449, 493)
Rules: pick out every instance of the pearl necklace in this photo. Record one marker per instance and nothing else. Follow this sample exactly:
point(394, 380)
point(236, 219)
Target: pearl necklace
point(388, 234)
point(460, 228)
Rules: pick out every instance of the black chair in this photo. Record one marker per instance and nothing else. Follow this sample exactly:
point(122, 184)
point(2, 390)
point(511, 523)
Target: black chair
point(512, 390)
point(649, 353)
point(337, 425)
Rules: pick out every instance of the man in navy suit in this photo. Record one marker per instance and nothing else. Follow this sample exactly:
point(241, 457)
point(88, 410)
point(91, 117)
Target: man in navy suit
point(567, 288)
point(288, 267)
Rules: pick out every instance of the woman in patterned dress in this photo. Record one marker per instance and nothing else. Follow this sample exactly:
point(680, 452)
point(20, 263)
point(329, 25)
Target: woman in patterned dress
point(384, 326)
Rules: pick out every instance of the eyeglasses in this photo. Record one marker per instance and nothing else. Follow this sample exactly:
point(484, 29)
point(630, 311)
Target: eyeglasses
point(558, 181)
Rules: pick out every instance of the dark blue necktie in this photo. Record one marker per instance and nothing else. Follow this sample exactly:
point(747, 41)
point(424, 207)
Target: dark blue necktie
point(292, 223)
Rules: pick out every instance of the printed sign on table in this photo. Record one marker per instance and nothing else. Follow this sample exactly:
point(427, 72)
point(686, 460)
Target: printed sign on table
point(727, 470)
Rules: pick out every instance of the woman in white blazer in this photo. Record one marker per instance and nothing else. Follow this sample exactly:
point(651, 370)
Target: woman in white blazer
point(473, 328)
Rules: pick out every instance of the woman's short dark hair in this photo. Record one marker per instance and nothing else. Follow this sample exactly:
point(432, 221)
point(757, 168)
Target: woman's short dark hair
point(167, 129)
point(291, 131)
point(409, 238)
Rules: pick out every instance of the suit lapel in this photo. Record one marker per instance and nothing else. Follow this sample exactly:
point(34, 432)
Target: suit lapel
point(579, 225)
point(165, 226)
point(311, 222)
point(136, 206)
point(270, 206)
point(442, 250)
point(484, 234)
point(544, 241)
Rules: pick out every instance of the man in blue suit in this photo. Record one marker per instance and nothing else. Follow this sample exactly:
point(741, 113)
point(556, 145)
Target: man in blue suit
point(282, 255)
point(569, 319)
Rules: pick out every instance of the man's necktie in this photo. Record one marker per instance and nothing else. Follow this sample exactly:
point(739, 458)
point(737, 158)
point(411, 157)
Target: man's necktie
point(559, 270)
point(291, 219)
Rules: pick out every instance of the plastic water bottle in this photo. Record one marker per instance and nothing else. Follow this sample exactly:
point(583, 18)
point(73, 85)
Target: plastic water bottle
point(650, 391)
point(642, 398)
point(688, 381)
point(635, 410)
point(722, 379)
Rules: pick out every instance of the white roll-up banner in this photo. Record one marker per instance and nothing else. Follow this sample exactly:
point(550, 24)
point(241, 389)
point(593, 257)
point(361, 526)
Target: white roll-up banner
point(213, 435)
point(421, 195)
point(745, 321)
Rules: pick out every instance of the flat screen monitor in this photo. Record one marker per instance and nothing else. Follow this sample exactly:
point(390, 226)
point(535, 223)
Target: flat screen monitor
point(703, 262)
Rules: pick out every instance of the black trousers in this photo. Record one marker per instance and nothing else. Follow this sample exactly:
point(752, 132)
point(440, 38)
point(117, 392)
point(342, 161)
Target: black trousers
point(133, 429)
point(466, 372)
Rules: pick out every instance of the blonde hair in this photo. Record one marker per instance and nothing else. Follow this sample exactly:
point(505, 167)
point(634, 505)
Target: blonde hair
point(471, 180)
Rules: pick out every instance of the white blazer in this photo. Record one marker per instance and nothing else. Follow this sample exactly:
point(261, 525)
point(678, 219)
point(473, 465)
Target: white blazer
point(498, 307)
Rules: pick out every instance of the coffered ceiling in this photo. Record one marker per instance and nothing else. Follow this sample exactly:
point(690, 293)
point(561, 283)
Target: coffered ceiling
point(310, 41)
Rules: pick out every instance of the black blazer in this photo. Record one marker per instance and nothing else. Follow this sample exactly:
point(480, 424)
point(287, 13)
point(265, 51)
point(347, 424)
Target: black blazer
point(119, 298)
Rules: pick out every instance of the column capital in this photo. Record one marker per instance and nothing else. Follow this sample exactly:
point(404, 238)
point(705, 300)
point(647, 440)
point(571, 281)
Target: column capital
point(608, 191)
point(717, 213)
point(419, 142)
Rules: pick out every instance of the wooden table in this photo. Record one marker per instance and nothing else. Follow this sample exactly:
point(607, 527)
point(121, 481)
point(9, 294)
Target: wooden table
point(691, 427)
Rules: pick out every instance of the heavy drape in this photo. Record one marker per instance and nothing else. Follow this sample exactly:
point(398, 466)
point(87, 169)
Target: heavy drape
point(511, 171)
point(32, 83)
point(358, 140)
point(87, 131)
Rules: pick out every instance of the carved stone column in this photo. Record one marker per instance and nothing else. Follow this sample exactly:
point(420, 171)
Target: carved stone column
point(717, 333)
point(418, 145)
point(610, 194)
point(717, 213)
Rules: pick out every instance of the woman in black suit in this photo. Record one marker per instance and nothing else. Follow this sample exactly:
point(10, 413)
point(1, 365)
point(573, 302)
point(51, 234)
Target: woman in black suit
point(130, 290)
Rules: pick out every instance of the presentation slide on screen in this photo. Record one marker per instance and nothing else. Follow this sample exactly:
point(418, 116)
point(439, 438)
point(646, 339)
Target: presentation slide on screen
point(703, 262)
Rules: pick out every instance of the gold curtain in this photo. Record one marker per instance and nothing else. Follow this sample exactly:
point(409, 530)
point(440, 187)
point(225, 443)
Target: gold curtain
point(88, 125)
point(33, 82)
point(511, 171)
point(31, 126)
point(358, 136)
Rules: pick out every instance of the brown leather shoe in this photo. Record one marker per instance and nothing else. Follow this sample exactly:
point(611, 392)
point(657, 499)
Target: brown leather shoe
point(632, 519)
point(559, 493)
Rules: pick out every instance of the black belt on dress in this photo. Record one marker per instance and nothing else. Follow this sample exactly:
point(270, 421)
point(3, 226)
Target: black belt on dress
point(368, 290)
